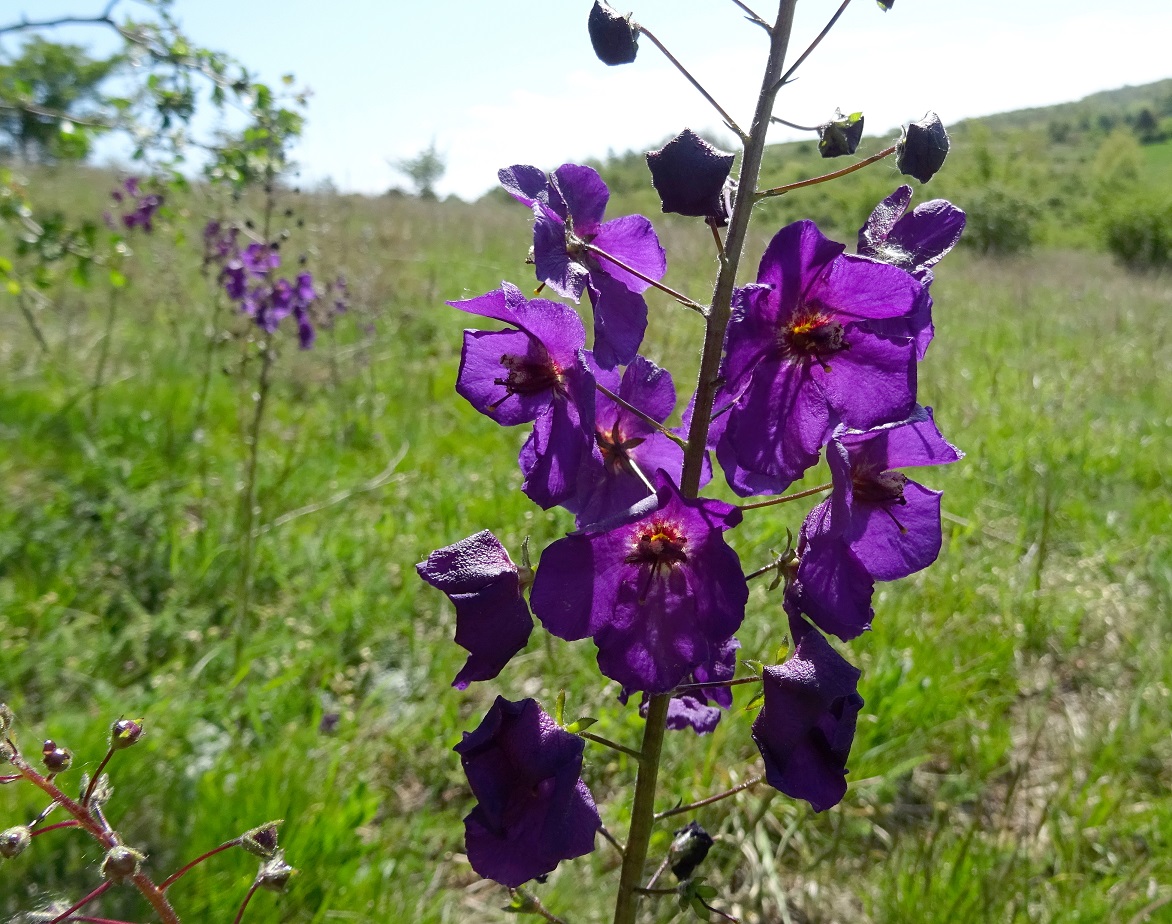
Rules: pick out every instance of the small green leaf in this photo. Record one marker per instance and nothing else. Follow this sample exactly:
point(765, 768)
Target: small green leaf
point(757, 700)
point(13, 287)
point(117, 280)
point(580, 725)
point(559, 712)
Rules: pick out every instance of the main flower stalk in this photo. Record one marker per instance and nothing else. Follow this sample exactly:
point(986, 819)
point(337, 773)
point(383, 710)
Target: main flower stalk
point(643, 810)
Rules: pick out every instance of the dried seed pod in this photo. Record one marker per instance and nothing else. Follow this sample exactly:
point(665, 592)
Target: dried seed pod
point(122, 863)
point(14, 841)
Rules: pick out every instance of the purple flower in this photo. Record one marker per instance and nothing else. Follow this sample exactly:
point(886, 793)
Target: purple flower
point(533, 810)
point(492, 620)
point(533, 372)
point(798, 360)
point(699, 708)
point(568, 206)
point(806, 727)
point(877, 525)
point(691, 177)
point(658, 589)
point(915, 241)
point(141, 205)
point(631, 449)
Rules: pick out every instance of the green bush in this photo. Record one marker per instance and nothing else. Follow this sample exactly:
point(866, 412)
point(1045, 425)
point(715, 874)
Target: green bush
point(999, 221)
point(1138, 232)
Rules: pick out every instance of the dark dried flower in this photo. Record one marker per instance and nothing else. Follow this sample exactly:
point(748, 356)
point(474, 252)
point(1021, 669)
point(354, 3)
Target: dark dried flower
point(922, 149)
point(615, 38)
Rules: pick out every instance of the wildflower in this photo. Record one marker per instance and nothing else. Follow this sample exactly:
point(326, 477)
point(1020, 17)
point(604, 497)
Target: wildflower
point(492, 620)
point(536, 372)
point(657, 588)
point(877, 524)
point(631, 449)
point(691, 177)
point(141, 205)
point(798, 360)
point(807, 725)
point(568, 206)
point(533, 810)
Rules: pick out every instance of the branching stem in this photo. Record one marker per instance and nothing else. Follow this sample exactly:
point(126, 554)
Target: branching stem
point(729, 120)
point(692, 806)
point(814, 44)
point(183, 870)
point(646, 418)
point(827, 177)
point(678, 296)
point(786, 498)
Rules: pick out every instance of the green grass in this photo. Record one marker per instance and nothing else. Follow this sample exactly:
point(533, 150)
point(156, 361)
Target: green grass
point(1012, 761)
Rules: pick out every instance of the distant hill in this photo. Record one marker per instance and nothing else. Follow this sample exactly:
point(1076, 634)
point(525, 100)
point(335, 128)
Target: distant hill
point(1052, 175)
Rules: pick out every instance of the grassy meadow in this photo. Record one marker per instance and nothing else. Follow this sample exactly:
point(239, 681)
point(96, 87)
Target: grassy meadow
point(1013, 761)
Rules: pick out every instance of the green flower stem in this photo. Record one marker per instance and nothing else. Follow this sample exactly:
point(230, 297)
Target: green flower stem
point(814, 44)
point(716, 323)
point(692, 806)
point(678, 296)
point(642, 812)
point(729, 121)
point(613, 745)
point(827, 177)
point(646, 418)
point(734, 245)
point(810, 492)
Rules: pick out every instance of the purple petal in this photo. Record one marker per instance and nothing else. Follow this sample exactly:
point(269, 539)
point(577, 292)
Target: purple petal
point(632, 240)
point(481, 373)
point(554, 266)
point(584, 194)
point(620, 321)
point(872, 383)
point(834, 589)
point(524, 183)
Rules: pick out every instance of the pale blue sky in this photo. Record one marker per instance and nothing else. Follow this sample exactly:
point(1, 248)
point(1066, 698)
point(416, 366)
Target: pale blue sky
point(497, 82)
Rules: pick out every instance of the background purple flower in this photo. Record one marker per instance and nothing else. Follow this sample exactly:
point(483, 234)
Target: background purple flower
point(533, 809)
point(659, 590)
point(492, 620)
point(807, 725)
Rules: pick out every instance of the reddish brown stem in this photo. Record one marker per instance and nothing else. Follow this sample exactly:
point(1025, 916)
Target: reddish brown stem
point(680, 809)
point(71, 823)
point(244, 904)
point(89, 790)
point(81, 903)
point(179, 873)
point(827, 177)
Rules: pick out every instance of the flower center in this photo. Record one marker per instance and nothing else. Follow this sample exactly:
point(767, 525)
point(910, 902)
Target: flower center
point(814, 334)
point(658, 544)
point(882, 488)
point(615, 449)
point(526, 377)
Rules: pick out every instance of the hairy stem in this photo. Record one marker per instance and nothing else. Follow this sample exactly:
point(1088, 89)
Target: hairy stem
point(678, 296)
point(786, 498)
point(179, 873)
point(716, 322)
point(244, 904)
point(81, 902)
point(729, 121)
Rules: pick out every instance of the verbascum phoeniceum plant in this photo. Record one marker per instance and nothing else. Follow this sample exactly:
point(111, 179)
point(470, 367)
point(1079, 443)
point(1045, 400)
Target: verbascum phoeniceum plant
point(817, 357)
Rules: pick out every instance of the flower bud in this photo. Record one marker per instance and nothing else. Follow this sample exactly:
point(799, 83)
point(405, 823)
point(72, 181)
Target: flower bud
point(275, 873)
point(6, 718)
point(841, 135)
point(688, 850)
point(261, 841)
point(922, 149)
point(14, 841)
point(121, 863)
point(615, 38)
point(885, 5)
point(55, 759)
point(124, 733)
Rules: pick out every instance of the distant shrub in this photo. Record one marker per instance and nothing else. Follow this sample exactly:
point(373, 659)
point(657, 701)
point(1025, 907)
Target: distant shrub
point(1000, 221)
point(1138, 232)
